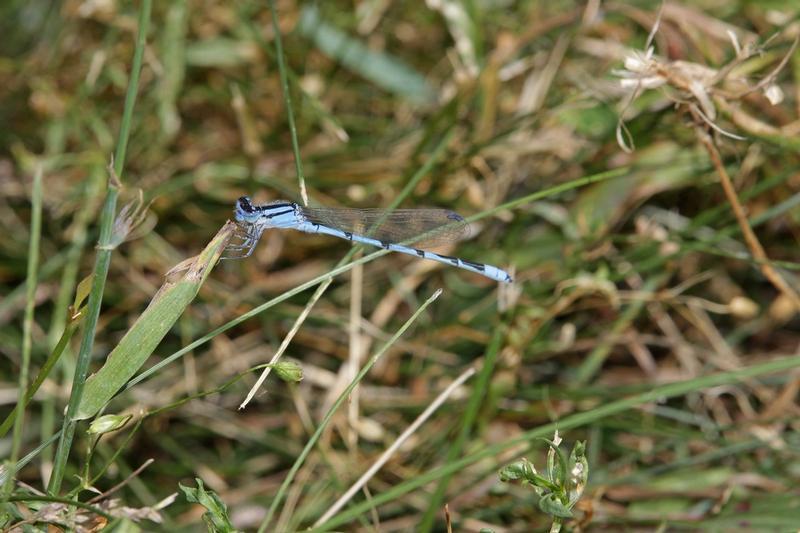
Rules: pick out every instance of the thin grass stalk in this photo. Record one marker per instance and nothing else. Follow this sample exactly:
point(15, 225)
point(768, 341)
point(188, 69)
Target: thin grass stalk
point(74, 503)
point(478, 395)
point(276, 501)
point(355, 347)
point(574, 184)
point(54, 357)
point(27, 327)
point(102, 260)
point(49, 267)
point(31, 455)
point(750, 238)
point(286, 341)
point(287, 99)
point(396, 445)
point(657, 394)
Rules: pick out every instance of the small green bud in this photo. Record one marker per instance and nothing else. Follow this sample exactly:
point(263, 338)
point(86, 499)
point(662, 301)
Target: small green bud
point(520, 470)
point(288, 371)
point(107, 424)
point(513, 472)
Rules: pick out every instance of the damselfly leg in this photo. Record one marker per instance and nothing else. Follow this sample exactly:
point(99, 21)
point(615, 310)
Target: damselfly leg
point(243, 242)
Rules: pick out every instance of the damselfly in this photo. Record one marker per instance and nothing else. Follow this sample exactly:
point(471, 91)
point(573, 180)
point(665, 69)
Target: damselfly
point(376, 227)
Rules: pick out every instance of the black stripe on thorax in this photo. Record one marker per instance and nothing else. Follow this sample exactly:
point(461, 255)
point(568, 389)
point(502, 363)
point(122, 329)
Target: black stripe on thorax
point(267, 207)
point(248, 207)
point(273, 215)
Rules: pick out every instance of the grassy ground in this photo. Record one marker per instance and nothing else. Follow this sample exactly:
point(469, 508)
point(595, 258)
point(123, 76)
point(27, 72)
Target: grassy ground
point(645, 202)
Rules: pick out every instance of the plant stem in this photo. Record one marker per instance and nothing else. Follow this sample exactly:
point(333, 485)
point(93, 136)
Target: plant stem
point(287, 98)
point(27, 327)
point(102, 260)
point(750, 238)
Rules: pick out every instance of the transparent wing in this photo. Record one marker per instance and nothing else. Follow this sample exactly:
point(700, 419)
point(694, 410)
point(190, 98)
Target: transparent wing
point(425, 227)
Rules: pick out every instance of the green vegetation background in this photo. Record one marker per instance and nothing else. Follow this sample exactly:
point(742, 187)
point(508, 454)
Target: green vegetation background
point(644, 319)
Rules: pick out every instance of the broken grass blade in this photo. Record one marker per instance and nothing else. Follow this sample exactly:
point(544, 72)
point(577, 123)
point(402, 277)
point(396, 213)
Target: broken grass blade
point(150, 328)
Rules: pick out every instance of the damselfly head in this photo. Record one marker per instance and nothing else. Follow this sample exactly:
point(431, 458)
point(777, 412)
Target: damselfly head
point(244, 211)
point(244, 204)
point(272, 214)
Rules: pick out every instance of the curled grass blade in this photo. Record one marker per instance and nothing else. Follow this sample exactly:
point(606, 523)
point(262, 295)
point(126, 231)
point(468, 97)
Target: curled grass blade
point(154, 323)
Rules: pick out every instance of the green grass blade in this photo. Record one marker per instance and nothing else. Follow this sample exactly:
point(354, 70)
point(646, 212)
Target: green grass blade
point(103, 259)
point(287, 98)
point(150, 328)
point(27, 326)
point(55, 355)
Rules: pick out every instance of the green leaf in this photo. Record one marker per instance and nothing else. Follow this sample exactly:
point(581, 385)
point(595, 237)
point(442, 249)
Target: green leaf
point(598, 121)
point(552, 505)
point(525, 471)
point(146, 333)
point(556, 464)
point(82, 291)
point(515, 471)
point(216, 518)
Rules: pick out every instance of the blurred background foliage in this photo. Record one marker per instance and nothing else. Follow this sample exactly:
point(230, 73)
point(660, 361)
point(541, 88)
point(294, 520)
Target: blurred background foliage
point(639, 280)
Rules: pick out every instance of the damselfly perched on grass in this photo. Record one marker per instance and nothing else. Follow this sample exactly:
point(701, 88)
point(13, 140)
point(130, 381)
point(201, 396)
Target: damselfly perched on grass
point(376, 227)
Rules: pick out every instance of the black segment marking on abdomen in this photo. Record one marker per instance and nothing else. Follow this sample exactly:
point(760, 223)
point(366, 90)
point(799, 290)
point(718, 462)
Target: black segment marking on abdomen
point(476, 266)
point(348, 235)
point(450, 258)
point(419, 252)
point(384, 245)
